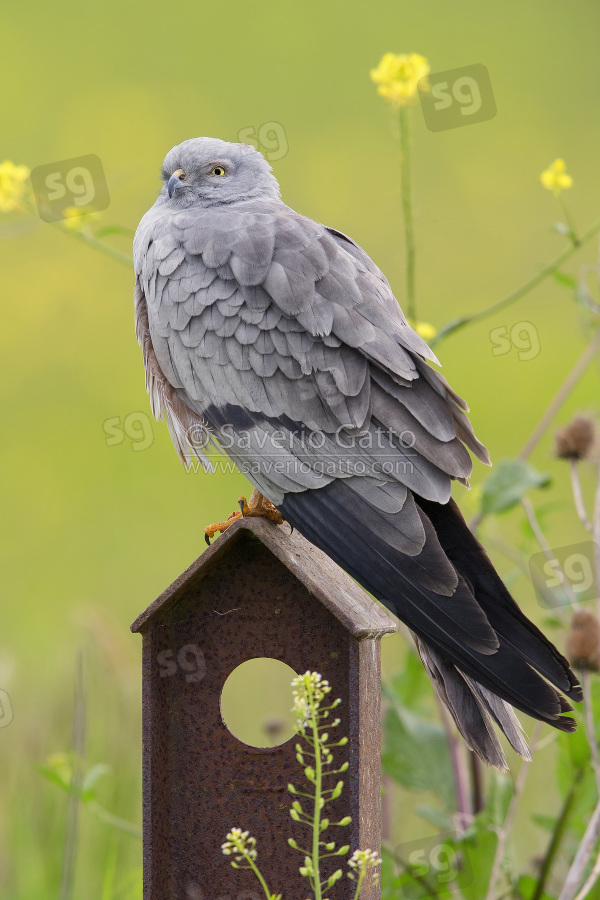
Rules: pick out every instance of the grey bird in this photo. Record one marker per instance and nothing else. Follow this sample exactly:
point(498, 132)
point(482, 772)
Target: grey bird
point(279, 341)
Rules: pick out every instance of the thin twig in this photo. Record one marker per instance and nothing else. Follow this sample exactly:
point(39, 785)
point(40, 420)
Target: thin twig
point(67, 880)
point(590, 728)
point(561, 395)
point(578, 495)
point(591, 880)
point(476, 784)
point(533, 282)
point(560, 827)
point(558, 400)
point(509, 818)
point(547, 550)
point(596, 536)
point(457, 750)
point(582, 857)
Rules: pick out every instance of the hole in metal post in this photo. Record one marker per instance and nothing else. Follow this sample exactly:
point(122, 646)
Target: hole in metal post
point(256, 703)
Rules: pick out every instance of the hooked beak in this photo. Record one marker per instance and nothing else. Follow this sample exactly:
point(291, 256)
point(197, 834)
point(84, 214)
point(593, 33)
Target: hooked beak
point(174, 182)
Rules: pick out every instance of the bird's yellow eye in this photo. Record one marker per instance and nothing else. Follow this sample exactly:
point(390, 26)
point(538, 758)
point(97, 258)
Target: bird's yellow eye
point(218, 170)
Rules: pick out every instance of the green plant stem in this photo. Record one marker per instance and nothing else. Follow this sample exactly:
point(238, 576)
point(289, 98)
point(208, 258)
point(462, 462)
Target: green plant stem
point(407, 210)
point(88, 238)
point(558, 834)
point(316, 836)
point(93, 242)
point(262, 881)
point(359, 882)
point(572, 233)
point(457, 324)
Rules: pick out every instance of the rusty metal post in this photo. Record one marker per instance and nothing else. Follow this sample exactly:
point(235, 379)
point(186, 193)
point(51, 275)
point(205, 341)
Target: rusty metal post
point(257, 592)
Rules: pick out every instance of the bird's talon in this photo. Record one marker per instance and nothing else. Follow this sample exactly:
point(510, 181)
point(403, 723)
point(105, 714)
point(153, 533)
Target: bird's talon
point(220, 527)
point(258, 506)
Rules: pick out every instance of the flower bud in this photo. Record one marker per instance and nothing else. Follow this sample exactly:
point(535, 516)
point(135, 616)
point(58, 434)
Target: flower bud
point(576, 440)
point(583, 642)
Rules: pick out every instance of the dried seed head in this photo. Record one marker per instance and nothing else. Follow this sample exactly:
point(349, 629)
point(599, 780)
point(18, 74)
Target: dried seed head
point(576, 440)
point(583, 642)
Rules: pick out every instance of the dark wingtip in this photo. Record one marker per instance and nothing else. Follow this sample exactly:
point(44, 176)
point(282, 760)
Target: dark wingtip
point(576, 692)
point(565, 723)
point(565, 706)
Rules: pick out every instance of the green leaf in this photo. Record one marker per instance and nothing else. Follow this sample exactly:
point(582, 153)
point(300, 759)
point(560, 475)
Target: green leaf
point(411, 684)
point(508, 485)
point(526, 886)
point(416, 753)
point(563, 278)
point(546, 822)
point(114, 229)
point(436, 816)
point(501, 792)
point(552, 622)
point(88, 787)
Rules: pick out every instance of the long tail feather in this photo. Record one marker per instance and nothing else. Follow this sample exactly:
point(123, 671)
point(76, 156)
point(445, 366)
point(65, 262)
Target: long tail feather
point(482, 653)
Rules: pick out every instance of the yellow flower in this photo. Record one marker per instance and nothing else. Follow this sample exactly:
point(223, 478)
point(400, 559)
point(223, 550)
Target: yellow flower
point(397, 76)
point(76, 218)
point(555, 178)
point(12, 185)
point(424, 329)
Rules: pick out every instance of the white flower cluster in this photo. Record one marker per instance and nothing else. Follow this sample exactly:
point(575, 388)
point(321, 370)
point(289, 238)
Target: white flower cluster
point(308, 691)
point(363, 860)
point(240, 845)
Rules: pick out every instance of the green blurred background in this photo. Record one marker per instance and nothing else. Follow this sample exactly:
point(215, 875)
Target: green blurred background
point(92, 533)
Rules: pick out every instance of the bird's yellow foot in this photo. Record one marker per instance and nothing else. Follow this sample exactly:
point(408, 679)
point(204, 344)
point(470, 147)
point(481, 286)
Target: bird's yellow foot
point(258, 506)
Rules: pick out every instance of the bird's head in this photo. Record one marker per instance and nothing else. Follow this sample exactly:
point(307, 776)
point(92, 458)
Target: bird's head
point(210, 172)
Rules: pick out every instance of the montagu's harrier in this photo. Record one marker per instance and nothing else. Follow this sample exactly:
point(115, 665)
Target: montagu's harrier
point(283, 339)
